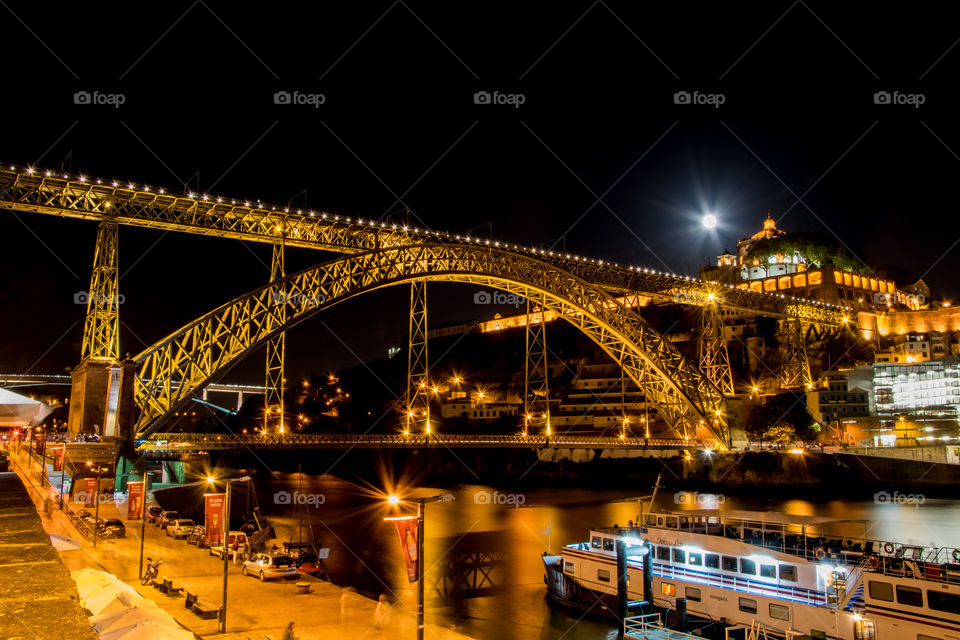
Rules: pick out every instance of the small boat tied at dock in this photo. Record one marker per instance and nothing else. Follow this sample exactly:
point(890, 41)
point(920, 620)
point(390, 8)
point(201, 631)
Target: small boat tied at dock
point(792, 576)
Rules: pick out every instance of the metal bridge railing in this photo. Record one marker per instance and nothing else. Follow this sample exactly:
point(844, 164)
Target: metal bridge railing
point(167, 441)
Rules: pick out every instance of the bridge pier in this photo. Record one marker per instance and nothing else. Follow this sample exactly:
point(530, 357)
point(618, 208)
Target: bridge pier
point(101, 401)
point(714, 357)
point(536, 388)
point(276, 354)
point(418, 364)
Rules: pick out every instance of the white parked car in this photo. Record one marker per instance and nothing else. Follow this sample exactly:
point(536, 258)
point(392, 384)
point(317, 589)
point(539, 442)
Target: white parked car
point(270, 565)
point(180, 528)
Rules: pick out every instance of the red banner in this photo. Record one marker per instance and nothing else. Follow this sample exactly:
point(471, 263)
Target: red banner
point(135, 500)
point(58, 455)
point(214, 517)
point(40, 442)
point(407, 528)
point(90, 491)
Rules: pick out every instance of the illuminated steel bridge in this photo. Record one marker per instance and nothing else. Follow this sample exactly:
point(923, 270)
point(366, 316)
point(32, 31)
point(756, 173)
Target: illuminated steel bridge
point(174, 442)
point(135, 399)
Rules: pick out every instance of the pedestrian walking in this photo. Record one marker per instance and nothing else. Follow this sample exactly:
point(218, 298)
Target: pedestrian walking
point(381, 615)
point(288, 632)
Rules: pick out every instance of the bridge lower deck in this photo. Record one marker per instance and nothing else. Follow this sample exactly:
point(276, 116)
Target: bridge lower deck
point(174, 442)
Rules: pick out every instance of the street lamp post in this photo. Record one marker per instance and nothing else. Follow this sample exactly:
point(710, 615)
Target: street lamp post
point(226, 551)
point(143, 517)
point(96, 510)
point(63, 472)
point(421, 502)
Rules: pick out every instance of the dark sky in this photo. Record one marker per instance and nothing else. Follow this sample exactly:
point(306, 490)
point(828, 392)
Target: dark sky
point(598, 153)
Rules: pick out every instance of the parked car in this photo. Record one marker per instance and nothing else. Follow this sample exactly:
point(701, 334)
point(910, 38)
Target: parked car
point(166, 517)
point(112, 527)
point(269, 565)
point(153, 513)
point(180, 527)
point(197, 536)
point(238, 537)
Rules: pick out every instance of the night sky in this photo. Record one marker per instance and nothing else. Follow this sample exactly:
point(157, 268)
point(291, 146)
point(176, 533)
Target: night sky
point(598, 156)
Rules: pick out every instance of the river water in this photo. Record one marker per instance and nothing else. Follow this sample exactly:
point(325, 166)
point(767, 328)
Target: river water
point(514, 529)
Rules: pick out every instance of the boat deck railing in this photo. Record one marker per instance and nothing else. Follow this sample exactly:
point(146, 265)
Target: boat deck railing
point(744, 585)
point(650, 627)
point(817, 543)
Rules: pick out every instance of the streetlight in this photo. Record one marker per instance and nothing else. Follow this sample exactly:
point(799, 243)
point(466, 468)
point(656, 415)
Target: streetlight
point(395, 500)
point(226, 555)
point(96, 497)
point(143, 516)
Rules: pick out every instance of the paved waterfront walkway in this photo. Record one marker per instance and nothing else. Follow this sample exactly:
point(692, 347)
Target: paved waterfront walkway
point(255, 611)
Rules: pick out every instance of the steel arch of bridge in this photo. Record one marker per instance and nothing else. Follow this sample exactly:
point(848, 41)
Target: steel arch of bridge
point(170, 372)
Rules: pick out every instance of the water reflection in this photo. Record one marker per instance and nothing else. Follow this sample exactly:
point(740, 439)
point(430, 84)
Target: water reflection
point(483, 550)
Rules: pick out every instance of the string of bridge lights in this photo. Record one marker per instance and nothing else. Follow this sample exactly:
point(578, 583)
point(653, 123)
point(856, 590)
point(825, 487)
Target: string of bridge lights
point(416, 230)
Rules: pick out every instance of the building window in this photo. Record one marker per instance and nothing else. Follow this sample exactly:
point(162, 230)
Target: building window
point(748, 605)
point(603, 575)
point(770, 285)
point(668, 589)
point(779, 612)
point(880, 590)
point(693, 594)
point(784, 282)
point(815, 278)
point(800, 280)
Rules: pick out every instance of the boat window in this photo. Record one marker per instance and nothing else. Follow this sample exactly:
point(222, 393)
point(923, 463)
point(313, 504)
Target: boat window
point(748, 567)
point(693, 594)
point(663, 553)
point(768, 571)
point(603, 575)
point(595, 542)
point(679, 555)
point(729, 563)
point(788, 572)
point(949, 602)
point(671, 522)
point(668, 589)
point(695, 559)
point(909, 596)
point(779, 612)
point(748, 605)
point(650, 520)
point(608, 544)
point(880, 590)
point(568, 567)
point(711, 560)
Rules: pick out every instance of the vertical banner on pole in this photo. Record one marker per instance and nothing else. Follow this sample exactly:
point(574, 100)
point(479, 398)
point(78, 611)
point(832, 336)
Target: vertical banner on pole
point(41, 441)
point(135, 500)
point(58, 455)
point(90, 491)
point(214, 505)
point(407, 528)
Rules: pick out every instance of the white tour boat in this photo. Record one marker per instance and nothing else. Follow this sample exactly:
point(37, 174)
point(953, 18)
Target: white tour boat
point(797, 576)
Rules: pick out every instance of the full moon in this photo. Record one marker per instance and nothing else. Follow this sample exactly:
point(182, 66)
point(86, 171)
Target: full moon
point(710, 221)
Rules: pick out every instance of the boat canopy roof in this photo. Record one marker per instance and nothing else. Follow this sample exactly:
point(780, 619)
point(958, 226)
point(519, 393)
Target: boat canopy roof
point(761, 516)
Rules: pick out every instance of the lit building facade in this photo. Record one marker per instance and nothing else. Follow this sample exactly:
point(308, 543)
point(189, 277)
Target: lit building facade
point(923, 389)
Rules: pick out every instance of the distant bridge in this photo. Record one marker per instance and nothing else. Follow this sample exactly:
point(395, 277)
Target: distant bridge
point(184, 442)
